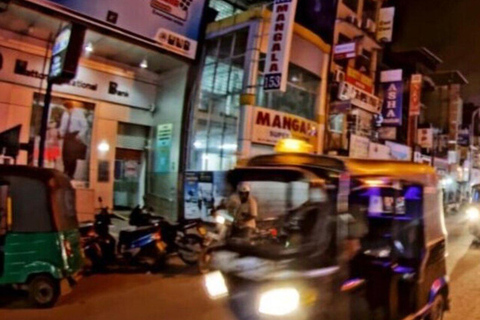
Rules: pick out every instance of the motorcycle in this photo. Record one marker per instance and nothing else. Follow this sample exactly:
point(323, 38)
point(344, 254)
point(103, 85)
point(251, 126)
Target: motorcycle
point(184, 238)
point(142, 246)
point(211, 240)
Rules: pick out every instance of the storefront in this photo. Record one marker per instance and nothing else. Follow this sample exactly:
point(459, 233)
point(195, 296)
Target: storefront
point(125, 105)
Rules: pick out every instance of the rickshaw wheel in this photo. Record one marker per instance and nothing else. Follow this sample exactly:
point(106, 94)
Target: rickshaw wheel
point(438, 308)
point(43, 291)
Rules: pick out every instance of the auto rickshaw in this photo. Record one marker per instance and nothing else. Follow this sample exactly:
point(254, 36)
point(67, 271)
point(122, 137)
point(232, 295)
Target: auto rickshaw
point(353, 239)
point(39, 239)
point(472, 212)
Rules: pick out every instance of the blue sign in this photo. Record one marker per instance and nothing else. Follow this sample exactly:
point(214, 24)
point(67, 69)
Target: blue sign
point(392, 103)
point(171, 24)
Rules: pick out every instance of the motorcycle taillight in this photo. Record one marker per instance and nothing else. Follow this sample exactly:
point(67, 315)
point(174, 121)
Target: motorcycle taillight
point(157, 236)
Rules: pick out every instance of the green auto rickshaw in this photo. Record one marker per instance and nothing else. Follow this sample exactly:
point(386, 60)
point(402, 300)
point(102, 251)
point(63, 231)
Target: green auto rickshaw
point(39, 239)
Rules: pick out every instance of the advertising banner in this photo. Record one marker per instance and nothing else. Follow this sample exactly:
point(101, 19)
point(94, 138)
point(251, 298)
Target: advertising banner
point(359, 80)
point(415, 94)
point(270, 126)
point(387, 133)
point(279, 42)
point(359, 98)
point(425, 138)
point(358, 147)
point(385, 24)
point(399, 151)
point(172, 25)
point(392, 103)
point(68, 139)
point(378, 151)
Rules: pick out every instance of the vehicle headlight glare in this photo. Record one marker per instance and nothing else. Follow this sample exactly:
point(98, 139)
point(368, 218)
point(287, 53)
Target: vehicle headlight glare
point(215, 285)
point(220, 220)
point(279, 302)
point(473, 213)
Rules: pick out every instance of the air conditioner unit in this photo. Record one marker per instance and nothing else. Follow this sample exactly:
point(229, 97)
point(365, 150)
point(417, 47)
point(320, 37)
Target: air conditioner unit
point(369, 26)
point(339, 76)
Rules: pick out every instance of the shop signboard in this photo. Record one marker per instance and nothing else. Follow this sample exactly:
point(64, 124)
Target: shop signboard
point(385, 24)
point(387, 133)
point(359, 80)
point(359, 98)
point(359, 147)
point(345, 51)
point(279, 42)
point(392, 97)
point(270, 126)
point(172, 25)
point(418, 157)
point(162, 147)
point(29, 70)
point(399, 151)
point(463, 137)
point(415, 93)
point(378, 151)
point(425, 138)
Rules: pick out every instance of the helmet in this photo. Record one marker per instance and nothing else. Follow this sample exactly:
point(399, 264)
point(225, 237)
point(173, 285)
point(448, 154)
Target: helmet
point(243, 187)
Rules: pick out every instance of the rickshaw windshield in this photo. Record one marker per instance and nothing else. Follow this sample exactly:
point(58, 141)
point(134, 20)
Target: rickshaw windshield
point(292, 215)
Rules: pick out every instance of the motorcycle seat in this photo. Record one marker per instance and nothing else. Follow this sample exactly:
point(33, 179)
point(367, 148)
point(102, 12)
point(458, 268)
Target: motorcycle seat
point(129, 236)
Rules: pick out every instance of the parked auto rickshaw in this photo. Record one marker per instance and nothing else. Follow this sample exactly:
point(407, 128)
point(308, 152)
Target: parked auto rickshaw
point(353, 239)
point(39, 239)
point(473, 213)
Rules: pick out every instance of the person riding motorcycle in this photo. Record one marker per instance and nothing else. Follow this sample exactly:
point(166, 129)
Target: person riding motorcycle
point(244, 209)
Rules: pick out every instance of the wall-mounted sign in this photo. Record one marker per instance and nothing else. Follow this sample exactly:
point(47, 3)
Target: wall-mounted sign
point(425, 138)
point(418, 157)
point(415, 94)
point(163, 145)
point(359, 80)
point(385, 24)
point(29, 70)
point(392, 103)
point(399, 151)
point(279, 42)
point(358, 147)
point(378, 151)
point(359, 98)
point(391, 75)
point(345, 51)
point(66, 52)
point(270, 126)
point(172, 25)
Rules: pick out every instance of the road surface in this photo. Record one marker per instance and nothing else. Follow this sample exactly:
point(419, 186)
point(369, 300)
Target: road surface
point(178, 294)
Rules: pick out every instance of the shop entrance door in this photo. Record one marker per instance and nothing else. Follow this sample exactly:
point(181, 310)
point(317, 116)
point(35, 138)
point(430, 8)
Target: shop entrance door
point(129, 178)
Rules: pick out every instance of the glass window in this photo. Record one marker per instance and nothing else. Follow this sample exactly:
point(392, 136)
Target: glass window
point(300, 98)
point(66, 214)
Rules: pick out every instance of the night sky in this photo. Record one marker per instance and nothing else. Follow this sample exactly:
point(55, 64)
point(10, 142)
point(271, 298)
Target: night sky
point(450, 29)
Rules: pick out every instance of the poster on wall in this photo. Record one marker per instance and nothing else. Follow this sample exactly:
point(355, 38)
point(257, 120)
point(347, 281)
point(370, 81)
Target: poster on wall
point(358, 147)
point(279, 42)
point(163, 145)
point(69, 134)
point(270, 126)
point(399, 151)
point(191, 200)
point(172, 25)
point(378, 151)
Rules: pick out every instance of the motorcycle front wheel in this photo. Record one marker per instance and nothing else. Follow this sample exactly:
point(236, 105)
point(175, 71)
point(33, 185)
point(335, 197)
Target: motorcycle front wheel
point(190, 249)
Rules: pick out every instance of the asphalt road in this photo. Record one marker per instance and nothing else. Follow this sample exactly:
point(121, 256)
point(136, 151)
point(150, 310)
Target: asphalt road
point(178, 294)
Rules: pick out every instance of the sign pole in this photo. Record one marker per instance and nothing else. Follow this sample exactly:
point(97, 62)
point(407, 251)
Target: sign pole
point(44, 125)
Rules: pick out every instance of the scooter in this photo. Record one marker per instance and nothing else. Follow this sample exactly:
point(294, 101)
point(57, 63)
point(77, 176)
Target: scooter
point(184, 238)
point(142, 246)
point(212, 239)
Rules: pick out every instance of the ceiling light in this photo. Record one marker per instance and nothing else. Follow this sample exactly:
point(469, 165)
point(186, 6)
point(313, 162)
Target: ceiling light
point(89, 47)
point(144, 64)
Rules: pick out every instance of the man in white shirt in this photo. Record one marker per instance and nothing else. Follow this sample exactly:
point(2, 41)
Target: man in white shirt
point(73, 128)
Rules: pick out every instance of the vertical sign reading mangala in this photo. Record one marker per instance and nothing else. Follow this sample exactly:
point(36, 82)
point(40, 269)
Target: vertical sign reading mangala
point(279, 41)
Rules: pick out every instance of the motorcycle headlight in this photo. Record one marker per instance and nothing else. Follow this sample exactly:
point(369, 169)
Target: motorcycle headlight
point(279, 302)
point(473, 214)
point(215, 285)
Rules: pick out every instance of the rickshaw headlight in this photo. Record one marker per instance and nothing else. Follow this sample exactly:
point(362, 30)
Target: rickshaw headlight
point(215, 285)
point(473, 214)
point(279, 302)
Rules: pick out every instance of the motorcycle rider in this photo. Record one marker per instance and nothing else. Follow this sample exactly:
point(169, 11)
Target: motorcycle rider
point(244, 209)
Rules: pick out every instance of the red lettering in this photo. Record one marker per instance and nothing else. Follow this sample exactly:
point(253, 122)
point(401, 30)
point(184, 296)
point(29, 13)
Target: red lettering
point(276, 122)
point(295, 125)
point(277, 37)
point(303, 128)
point(276, 47)
point(263, 119)
point(282, 8)
point(287, 123)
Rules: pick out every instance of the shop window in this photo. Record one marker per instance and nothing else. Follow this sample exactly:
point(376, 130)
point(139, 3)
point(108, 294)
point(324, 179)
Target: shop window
point(300, 98)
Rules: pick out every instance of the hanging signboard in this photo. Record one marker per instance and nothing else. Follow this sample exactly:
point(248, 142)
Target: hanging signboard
point(279, 42)
point(415, 93)
point(385, 24)
point(358, 147)
point(359, 80)
point(172, 25)
point(270, 126)
point(345, 51)
point(392, 97)
point(425, 138)
point(66, 53)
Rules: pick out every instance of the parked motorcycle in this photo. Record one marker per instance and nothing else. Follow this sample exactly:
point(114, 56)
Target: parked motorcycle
point(184, 238)
point(142, 246)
